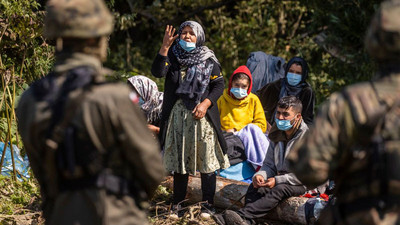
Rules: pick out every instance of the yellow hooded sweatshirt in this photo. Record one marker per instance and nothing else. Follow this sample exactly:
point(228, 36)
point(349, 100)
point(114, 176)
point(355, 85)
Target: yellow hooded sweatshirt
point(236, 114)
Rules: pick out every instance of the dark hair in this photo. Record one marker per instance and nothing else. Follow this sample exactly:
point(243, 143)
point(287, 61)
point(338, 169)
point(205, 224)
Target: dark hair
point(239, 76)
point(291, 101)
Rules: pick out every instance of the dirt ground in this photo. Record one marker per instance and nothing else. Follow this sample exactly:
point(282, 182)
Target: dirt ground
point(159, 213)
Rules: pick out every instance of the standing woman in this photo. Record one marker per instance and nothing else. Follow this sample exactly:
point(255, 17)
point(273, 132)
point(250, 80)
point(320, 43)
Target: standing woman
point(190, 129)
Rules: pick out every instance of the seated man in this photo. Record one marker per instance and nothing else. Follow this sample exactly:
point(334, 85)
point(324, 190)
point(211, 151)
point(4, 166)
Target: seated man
point(273, 182)
point(242, 115)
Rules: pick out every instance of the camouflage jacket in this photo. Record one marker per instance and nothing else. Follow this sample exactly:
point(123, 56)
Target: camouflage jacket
point(338, 145)
point(106, 118)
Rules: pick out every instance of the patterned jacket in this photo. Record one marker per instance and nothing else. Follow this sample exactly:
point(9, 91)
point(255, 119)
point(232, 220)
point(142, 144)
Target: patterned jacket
point(341, 146)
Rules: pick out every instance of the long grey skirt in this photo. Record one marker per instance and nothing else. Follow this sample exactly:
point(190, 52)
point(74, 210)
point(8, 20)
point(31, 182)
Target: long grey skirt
point(192, 145)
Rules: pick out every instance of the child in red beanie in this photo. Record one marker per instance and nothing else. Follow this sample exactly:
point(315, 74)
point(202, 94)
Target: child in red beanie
point(241, 113)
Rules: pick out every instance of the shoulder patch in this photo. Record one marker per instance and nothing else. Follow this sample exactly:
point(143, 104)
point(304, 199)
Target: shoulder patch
point(213, 77)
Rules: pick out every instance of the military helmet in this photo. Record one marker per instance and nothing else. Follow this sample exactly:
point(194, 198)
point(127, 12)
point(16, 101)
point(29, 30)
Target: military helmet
point(383, 37)
point(77, 19)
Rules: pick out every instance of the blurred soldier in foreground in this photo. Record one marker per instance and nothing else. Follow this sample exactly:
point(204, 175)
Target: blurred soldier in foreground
point(356, 137)
point(87, 141)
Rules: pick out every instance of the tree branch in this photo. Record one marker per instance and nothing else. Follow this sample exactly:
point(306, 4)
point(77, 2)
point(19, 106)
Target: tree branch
point(185, 15)
point(296, 26)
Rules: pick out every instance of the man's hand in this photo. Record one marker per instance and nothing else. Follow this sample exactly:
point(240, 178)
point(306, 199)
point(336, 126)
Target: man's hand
point(270, 182)
point(200, 110)
point(258, 181)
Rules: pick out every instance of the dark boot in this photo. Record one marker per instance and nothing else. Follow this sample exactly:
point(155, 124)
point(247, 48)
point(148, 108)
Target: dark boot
point(232, 218)
point(207, 211)
point(180, 187)
point(208, 186)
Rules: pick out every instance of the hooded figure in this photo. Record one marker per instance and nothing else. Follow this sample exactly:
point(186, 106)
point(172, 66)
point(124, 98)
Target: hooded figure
point(150, 98)
point(241, 112)
point(265, 69)
point(294, 84)
point(236, 113)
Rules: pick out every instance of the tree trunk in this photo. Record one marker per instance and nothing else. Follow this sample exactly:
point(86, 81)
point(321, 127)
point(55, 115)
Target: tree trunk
point(228, 193)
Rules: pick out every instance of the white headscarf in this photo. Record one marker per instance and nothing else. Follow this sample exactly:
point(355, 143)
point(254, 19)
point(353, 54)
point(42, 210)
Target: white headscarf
point(153, 99)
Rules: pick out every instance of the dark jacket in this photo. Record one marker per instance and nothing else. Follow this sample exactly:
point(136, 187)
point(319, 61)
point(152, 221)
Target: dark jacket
point(269, 97)
point(169, 67)
point(101, 140)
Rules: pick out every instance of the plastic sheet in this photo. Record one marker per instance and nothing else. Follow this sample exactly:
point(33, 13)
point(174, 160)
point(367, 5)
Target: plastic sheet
point(21, 164)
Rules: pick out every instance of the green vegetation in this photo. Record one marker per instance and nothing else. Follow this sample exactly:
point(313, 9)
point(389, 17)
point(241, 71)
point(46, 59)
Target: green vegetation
point(18, 197)
point(328, 34)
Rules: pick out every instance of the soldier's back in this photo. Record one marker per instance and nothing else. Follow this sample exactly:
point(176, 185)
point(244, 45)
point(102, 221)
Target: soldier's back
point(367, 168)
point(109, 136)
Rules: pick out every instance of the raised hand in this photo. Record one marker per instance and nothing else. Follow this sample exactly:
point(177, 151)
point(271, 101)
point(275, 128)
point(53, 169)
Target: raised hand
point(168, 40)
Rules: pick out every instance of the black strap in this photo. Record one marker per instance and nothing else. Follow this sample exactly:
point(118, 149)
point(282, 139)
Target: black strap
point(77, 78)
point(112, 183)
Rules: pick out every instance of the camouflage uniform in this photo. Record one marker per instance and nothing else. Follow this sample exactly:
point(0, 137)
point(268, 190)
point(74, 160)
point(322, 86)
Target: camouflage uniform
point(97, 163)
point(356, 137)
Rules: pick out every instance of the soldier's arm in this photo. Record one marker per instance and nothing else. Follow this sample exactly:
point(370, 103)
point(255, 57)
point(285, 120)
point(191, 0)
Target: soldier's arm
point(317, 155)
point(140, 148)
point(26, 128)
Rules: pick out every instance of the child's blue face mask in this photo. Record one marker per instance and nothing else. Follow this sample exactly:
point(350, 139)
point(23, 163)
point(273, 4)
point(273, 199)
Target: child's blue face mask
point(293, 79)
point(187, 46)
point(239, 93)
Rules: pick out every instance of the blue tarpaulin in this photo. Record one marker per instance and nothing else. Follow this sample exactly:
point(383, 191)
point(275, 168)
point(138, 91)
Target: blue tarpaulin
point(21, 164)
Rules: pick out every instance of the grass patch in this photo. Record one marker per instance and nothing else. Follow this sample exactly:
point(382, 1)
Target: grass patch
point(18, 197)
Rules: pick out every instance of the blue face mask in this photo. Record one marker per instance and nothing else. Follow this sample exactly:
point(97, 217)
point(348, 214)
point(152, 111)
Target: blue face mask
point(293, 79)
point(141, 101)
point(187, 46)
point(283, 124)
point(239, 93)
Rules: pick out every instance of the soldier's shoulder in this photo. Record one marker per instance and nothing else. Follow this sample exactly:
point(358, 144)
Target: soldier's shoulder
point(112, 92)
point(364, 102)
point(360, 88)
point(38, 90)
point(112, 89)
